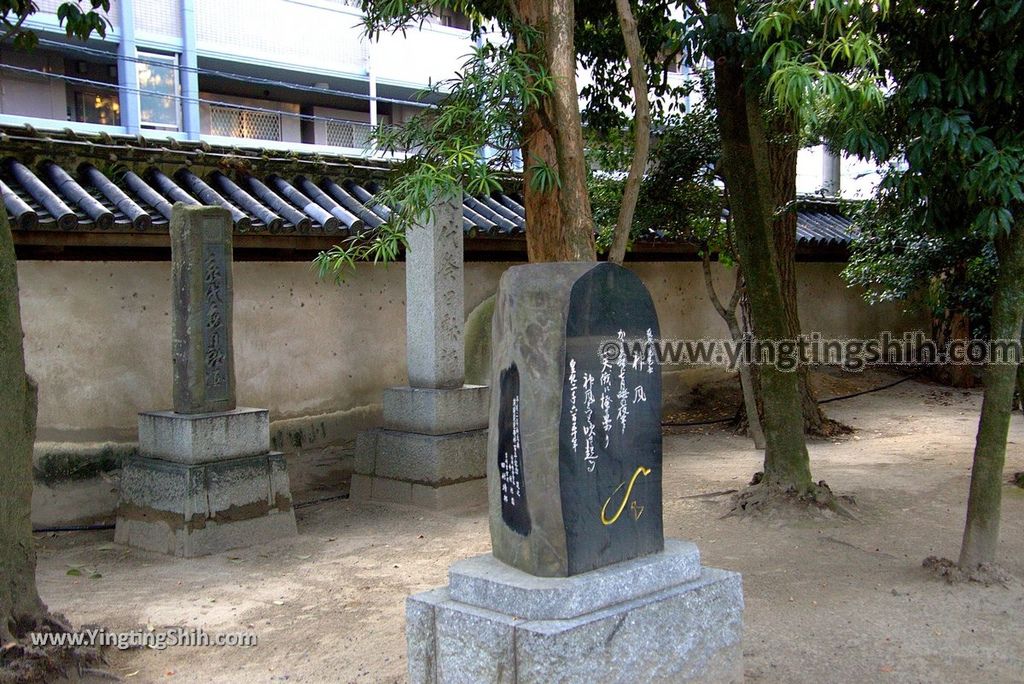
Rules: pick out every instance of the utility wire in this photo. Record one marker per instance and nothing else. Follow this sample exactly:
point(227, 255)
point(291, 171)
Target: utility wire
point(240, 77)
point(715, 421)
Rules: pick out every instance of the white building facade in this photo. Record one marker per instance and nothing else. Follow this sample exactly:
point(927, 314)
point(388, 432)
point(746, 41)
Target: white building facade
point(294, 74)
point(279, 74)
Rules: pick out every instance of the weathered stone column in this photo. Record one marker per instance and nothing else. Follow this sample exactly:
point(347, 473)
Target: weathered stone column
point(205, 479)
point(430, 451)
point(434, 300)
point(203, 349)
point(581, 585)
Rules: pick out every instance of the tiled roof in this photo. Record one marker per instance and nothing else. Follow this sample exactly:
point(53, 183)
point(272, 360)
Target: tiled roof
point(50, 197)
point(822, 224)
point(41, 194)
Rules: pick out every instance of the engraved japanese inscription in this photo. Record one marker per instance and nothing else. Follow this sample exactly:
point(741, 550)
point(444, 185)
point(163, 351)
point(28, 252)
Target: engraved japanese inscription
point(204, 379)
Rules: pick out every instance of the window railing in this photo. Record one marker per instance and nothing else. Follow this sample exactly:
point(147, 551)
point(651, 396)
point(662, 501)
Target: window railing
point(232, 122)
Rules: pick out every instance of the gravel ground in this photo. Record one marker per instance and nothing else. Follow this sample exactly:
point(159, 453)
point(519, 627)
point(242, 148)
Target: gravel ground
point(828, 600)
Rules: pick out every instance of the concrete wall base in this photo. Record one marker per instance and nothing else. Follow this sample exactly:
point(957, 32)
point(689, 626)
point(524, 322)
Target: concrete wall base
point(688, 631)
point(197, 509)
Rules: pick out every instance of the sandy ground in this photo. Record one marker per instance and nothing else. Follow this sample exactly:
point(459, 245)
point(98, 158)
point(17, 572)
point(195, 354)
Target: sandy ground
point(827, 599)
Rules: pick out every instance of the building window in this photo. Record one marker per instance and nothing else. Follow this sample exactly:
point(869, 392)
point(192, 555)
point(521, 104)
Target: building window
point(159, 101)
point(92, 106)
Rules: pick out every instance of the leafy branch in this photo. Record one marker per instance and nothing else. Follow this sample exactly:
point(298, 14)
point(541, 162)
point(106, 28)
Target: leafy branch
point(469, 141)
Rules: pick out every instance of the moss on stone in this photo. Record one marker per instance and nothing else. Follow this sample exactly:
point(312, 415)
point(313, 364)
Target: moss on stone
point(478, 343)
point(69, 463)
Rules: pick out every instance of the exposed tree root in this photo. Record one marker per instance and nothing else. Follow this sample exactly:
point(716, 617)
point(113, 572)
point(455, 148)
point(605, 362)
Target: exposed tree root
point(985, 574)
point(761, 499)
point(22, 662)
point(829, 428)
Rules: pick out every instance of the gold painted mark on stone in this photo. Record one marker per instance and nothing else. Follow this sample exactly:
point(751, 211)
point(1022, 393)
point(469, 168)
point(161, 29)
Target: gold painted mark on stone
point(625, 498)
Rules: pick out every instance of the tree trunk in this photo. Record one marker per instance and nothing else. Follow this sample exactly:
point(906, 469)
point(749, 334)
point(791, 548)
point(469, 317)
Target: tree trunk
point(981, 533)
point(728, 314)
point(783, 147)
point(559, 223)
point(956, 326)
point(641, 131)
point(545, 232)
point(1020, 387)
point(20, 606)
point(745, 168)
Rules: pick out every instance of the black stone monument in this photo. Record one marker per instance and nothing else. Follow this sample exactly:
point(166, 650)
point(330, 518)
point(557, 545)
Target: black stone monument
point(574, 466)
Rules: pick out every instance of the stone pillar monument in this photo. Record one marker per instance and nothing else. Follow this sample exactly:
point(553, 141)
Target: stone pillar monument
point(205, 479)
point(430, 452)
point(581, 585)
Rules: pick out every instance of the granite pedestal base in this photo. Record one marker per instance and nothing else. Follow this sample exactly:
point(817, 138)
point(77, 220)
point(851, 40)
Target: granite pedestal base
point(204, 483)
point(660, 618)
point(431, 452)
point(204, 437)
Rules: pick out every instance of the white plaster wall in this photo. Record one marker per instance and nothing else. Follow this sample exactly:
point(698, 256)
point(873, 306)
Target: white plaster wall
point(97, 334)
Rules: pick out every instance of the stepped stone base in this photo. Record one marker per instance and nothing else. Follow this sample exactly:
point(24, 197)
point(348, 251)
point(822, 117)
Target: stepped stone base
point(198, 509)
point(431, 452)
point(661, 618)
point(203, 437)
point(436, 411)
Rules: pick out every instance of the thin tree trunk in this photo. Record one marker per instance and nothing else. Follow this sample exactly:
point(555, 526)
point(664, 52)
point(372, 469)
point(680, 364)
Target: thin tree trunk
point(559, 222)
point(1020, 387)
point(20, 606)
point(641, 132)
point(981, 533)
point(745, 167)
point(728, 314)
point(960, 329)
point(783, 147)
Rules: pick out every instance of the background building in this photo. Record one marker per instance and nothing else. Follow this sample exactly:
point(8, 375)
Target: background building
point(275, 74)
point(287, 73)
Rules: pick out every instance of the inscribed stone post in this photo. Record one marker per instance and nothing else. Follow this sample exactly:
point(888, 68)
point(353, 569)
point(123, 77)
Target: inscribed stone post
point(204, 369)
